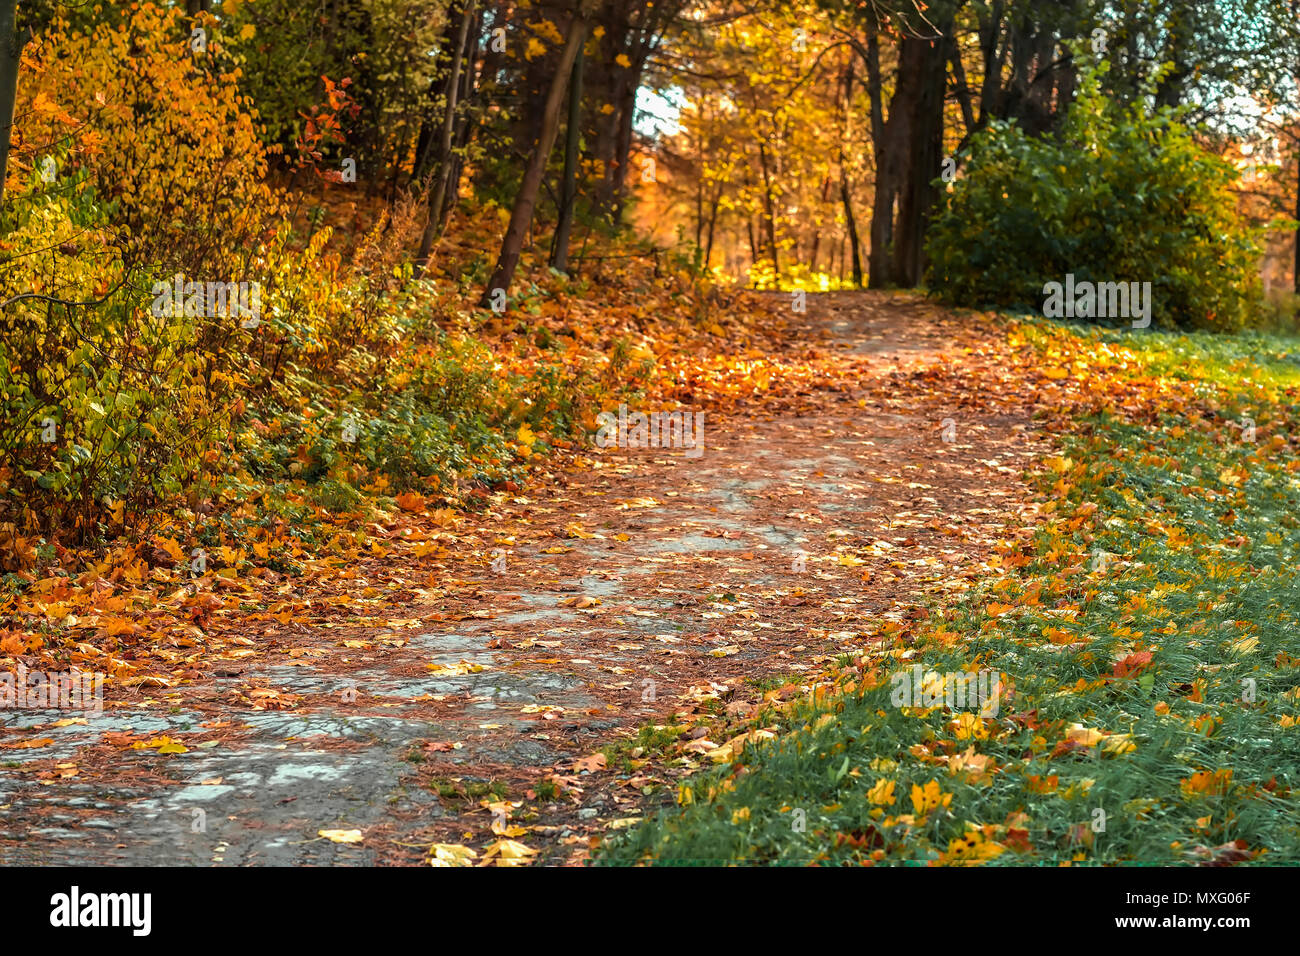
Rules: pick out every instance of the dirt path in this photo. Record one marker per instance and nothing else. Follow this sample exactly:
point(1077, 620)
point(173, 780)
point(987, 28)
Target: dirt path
point(633, 587)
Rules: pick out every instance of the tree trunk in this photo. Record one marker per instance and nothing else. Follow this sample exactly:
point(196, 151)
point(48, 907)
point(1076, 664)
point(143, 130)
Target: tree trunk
point(465, 123)
point(769, 210)
point(1296, 279)
point(882, 207)
point(623, 153)
point(631, 31)
point(990, 29)
point(521, 216)
point(846, 195)
point(713, 221)
point(851, 225)
point(926, 66)
point(426, 141)
point(960, 88)
point(908, 152)
point(699, 196)
point(699, 215)
point(569, 190)
point(433, 227)
point(10, 49)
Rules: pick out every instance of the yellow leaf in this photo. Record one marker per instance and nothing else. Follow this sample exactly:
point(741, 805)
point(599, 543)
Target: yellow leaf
point(1118, 744)
point(173, 549)
point(509, 853)
point(451, 854)
point(1087, 736)
point(882, 794)
point(929, 797)
point(341, 836)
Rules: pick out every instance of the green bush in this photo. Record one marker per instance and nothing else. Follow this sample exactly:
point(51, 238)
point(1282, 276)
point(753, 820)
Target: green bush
point(105, 406)
point(1123, 195)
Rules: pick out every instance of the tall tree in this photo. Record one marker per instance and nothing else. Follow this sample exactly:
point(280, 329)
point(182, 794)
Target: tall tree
point(10, 52)
point(846, 194)
point(569, 187)
point(907, 146)
point(437, 195)
point(521, 214)
point(907, 139)
point(922, 69)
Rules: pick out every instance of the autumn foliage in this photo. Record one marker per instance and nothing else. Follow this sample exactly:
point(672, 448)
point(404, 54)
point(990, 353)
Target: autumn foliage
point(351, 374)
point(309, 314)
point(1123, 195)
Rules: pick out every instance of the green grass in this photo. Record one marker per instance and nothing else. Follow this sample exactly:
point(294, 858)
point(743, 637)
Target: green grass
point(650, 739)
point(1160, 602)
point(1257, 360)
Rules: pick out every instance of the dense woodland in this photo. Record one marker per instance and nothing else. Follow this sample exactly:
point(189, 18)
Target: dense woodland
point(797, 129)
point(316, 317)
point(400, 180)
point(376, 168)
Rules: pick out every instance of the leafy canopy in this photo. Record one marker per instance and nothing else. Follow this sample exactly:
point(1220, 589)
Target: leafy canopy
point(1125, 194)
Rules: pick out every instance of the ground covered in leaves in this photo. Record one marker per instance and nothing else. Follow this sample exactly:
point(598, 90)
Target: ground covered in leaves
point(653, 655)
point(1145, 637)
point(519, 678)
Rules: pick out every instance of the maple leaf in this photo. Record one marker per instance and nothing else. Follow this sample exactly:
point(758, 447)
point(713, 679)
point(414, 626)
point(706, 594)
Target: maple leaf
point(12, 644)
point(507, 852)
point(929, 797)
point(451, 854)
point(410, 501)
point(1133, 664)
point(881, 793)
point(591, 762)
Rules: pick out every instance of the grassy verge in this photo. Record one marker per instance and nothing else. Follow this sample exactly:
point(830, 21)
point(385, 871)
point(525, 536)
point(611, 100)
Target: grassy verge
point(1146, 642)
